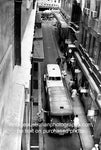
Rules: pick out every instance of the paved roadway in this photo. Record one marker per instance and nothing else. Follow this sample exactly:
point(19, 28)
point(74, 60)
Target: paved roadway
point(51, 52)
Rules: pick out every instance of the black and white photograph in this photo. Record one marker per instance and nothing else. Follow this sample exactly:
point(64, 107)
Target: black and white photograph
point(50, 74)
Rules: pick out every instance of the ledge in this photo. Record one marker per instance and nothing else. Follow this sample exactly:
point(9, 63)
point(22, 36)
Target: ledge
point(12, 131)
point(13, 123)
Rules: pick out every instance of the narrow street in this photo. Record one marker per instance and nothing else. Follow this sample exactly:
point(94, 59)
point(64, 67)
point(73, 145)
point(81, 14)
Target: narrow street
point(45, 106)
point(51, 51)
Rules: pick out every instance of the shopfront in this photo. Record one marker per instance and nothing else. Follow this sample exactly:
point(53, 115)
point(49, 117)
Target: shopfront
point(90, 97)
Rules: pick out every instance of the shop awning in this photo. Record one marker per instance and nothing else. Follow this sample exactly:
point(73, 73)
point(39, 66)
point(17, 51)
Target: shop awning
point(86, 73)
point(38, 18)
point(38, 50)
point(38, 33)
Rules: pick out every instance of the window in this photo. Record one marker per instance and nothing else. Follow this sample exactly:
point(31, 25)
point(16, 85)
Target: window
point(35, 66)
point(55, 78)
point(95, 53)
point(85, 38)
point(35, 84)
point(82, 35)
point(58, 78)
point(97, 8)
point(99, 57)
point(87, 4)
point(90, 36)
point(93, 47)
point(91, 51)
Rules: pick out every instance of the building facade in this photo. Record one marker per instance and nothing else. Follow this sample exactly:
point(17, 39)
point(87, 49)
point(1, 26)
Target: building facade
point(87, 54)
point(15, 69)
point(49, 4)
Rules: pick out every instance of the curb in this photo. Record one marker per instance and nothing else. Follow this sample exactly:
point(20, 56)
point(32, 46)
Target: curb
point(39, 108)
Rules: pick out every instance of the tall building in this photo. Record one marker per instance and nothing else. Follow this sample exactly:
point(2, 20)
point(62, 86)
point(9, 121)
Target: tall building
point(15, 67)
point(86, 14)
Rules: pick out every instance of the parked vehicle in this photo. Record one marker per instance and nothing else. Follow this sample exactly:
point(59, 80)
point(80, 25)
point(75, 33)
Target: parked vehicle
point(60, 116)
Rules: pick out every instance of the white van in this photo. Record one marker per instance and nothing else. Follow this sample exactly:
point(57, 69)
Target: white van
point(53, 76)
point(58, 102)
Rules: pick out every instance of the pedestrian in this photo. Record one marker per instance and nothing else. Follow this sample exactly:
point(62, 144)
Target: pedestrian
point(76, 122)
point(69, 53)
point(96, 147)
point(74, 93)
point(68, 64)
point(58, 60)
point(72, 86)
point(40, 115)
point(63, 73)
point(71, 82)
point(62, 63)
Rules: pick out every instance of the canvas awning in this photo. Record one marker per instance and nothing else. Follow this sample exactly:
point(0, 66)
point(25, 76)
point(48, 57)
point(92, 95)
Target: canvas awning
point(38, 50)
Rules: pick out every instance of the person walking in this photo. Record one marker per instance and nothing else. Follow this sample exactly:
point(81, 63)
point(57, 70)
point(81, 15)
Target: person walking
point(58, 60)
point(74, 93)
point(96, 147)
point(76, 122)
point(40, 115)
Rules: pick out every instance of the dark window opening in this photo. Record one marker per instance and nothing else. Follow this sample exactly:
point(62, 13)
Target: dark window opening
point(85, 39)
point(35, 84)
point(93, 47)
point(76, 13)
point(97, 8)
point(90, 36)
point(82, 35)
point(87, 4)
point(35, 66)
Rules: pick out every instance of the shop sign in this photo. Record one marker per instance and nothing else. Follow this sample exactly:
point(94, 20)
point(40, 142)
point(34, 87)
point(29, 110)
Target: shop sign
point(83, 90)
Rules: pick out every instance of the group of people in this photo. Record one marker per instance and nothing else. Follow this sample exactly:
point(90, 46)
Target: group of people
point(77, 126)
point(40, 116)
point(96, 147)
point(60, 61)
